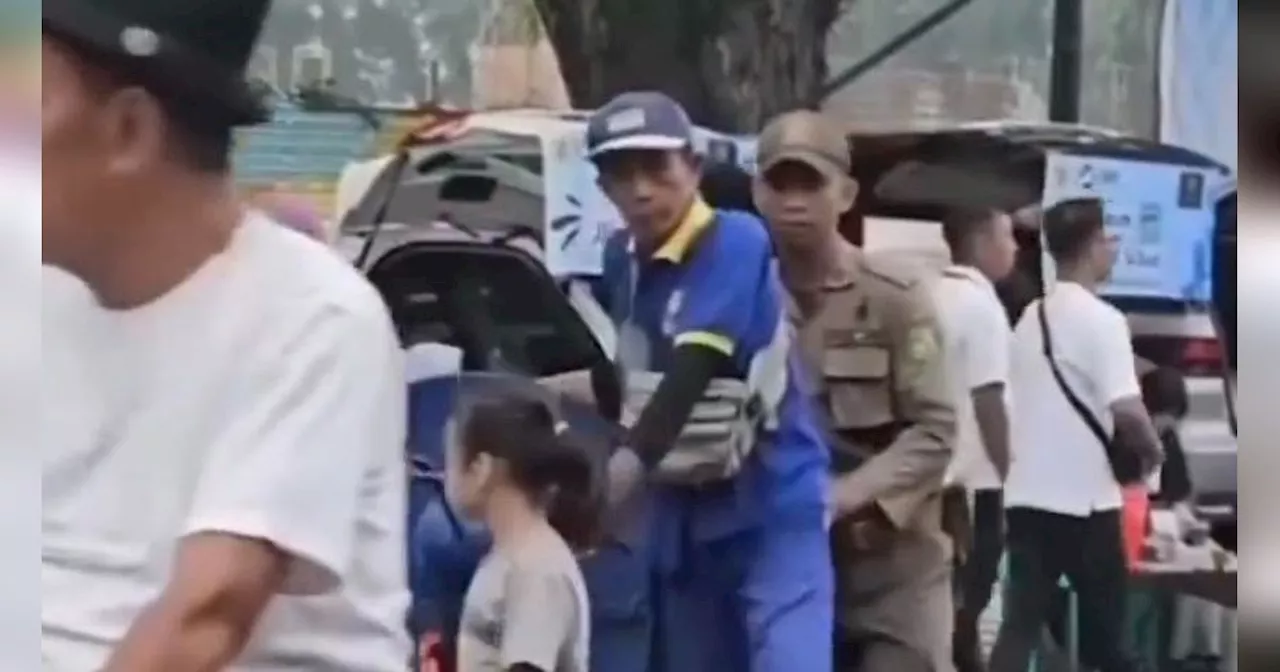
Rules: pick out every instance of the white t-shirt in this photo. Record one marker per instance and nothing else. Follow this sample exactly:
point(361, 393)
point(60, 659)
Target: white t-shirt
point(978, 345)
point(1058, 464)
point(263, 397)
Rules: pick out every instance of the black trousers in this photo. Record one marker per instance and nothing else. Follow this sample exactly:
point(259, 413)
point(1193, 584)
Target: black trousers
point(1044, 547)
point(976, 578)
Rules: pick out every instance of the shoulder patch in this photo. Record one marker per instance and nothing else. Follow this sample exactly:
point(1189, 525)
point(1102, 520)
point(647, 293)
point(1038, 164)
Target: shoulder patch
point(891, 271)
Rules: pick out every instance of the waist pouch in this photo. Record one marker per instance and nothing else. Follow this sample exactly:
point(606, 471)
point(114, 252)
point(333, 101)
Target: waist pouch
point(719, 437)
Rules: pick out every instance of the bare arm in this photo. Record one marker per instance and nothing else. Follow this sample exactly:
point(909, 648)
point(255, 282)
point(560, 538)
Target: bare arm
point(1118, 381)
point(1134, 429)
point(993, 425)
point(220, 586)
point(276, 505)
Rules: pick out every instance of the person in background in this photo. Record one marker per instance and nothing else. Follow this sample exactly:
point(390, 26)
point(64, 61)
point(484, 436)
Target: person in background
point(1164, 393)
point(743, 568)
point(1063, 500)
point(873, 344)
point(978, 346)
point(223, 482)
point(1200, 628)
point(511, 464)
point(726, 186)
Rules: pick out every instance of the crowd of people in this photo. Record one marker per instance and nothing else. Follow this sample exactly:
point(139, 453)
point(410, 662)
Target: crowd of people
point(820, 463)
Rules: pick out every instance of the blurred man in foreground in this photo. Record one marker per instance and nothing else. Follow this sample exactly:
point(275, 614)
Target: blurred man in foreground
point(873, 343)
point(230, 394)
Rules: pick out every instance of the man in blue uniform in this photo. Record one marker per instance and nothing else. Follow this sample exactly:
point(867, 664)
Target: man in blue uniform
point(744, 575)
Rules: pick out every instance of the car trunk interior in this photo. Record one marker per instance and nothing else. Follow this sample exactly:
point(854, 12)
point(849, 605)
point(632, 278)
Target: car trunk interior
point(494, 303)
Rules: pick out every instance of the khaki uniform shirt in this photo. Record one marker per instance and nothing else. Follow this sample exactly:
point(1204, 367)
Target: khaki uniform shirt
point(876, 342)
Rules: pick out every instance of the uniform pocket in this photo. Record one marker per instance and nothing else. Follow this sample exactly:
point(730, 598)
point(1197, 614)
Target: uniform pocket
point(617, 580)
point(859, 386)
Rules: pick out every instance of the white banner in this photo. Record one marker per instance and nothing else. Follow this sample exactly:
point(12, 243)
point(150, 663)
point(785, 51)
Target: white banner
point(579, 217)
point(1199, 69)
point(1161, 214)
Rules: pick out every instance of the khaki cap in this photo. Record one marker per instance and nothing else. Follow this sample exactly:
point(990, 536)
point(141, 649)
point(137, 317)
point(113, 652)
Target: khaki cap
point(805, 136)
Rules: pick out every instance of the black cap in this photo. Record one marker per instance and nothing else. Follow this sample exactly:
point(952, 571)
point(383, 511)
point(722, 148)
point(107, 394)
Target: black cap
point(195, 51)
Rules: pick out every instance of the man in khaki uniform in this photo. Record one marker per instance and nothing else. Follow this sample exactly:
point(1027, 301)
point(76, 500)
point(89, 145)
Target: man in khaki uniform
point(871, 338)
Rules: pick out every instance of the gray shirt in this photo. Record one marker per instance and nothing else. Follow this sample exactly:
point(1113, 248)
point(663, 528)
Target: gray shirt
point(528, 607)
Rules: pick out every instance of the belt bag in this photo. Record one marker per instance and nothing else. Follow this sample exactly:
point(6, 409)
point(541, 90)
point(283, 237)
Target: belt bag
point(726, 424)
point(718, 439)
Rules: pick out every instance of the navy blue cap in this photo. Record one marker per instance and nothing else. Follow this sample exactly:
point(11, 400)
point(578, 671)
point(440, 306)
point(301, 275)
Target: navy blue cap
point(639, 120)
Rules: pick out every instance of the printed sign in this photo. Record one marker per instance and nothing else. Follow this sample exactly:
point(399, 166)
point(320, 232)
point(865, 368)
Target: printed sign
point(1160, 214)
point(579, 217)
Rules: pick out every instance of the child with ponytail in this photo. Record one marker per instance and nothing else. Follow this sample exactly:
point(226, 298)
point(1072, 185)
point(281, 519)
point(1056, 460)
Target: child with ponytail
point(512, 464)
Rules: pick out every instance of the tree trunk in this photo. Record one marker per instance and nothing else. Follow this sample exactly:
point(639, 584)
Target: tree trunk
point(733, 64)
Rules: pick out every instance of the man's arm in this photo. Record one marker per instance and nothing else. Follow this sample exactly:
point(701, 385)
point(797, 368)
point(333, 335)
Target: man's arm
point(275, 506)
point(205, 616)
point(987, 375)
point(992, 415)
point(910, 471)
point(1118, 382)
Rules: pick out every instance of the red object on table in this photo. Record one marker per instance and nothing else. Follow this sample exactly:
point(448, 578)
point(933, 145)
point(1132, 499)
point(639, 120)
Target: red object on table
point(1135, 523)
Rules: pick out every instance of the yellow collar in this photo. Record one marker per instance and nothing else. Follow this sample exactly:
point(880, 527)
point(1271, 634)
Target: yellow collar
point(696, 220)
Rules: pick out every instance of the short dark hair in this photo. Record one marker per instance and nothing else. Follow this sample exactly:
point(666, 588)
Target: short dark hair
point(961, 225)
point(1071, 226)
point(727, 186)
point(200, 140)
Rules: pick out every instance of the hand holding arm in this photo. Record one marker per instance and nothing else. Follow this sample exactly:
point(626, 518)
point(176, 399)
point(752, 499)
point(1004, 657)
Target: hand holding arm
point(910, 471)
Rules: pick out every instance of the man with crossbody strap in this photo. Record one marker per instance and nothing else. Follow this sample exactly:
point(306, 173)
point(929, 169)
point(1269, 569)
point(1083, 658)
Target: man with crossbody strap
point(1080, 430)
point(742, 565)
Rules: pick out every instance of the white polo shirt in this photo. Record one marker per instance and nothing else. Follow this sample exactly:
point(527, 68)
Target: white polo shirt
point(978, 342)
point(1059, 465)
point(264, 397)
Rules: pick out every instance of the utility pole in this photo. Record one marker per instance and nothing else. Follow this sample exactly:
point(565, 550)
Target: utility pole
point(1066, 61)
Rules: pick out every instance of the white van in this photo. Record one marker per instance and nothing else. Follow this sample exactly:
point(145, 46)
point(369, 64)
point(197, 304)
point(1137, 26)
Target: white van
point(1161, 201)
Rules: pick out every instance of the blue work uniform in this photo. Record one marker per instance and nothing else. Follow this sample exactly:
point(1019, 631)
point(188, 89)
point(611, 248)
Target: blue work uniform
point(743, 569)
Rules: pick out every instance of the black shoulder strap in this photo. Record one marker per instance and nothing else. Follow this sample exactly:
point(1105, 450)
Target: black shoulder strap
point(1083, 411)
